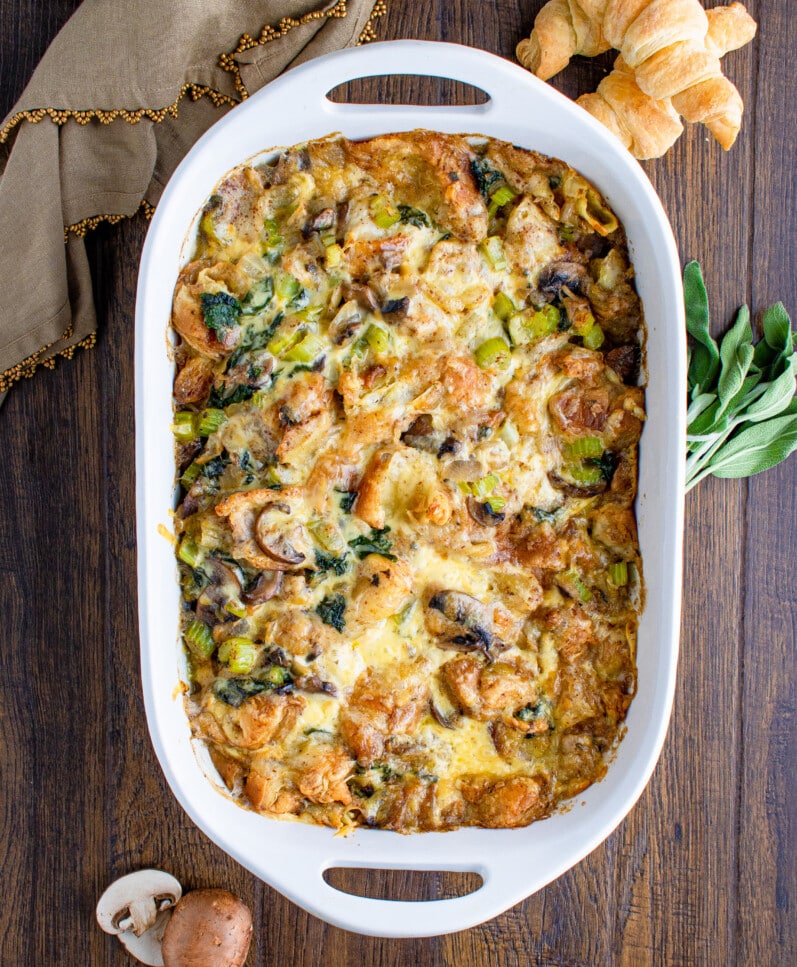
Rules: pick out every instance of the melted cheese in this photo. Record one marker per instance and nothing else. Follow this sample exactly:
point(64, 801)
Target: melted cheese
point(392, 400)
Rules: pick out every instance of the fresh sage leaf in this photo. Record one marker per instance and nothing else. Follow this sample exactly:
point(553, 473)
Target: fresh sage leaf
point(705, 359)
point(742, 410)
point(757, 448)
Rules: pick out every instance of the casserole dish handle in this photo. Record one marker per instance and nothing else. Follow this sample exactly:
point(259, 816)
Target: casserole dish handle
point(401, 918)
point(495, 77)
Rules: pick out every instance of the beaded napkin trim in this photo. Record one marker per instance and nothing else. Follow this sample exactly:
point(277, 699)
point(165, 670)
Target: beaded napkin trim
point(28, 366)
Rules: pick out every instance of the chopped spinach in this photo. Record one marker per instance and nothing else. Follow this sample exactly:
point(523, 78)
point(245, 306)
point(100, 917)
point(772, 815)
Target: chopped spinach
point(220, 310)
point(347, 501)
point(330, 610)
point(606, 463)
point(543, 516)
point(485, 176)
point(375, 543)
point(215, 467)
point(239, 395)
point(339, 564)
point(233, 691)
point(413, 216)
point(258, 297)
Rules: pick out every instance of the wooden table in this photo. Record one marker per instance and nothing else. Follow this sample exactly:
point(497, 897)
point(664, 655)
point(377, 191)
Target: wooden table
point(703, 871)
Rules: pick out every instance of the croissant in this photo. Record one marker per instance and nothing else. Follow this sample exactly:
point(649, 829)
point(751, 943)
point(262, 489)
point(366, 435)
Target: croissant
point(670, 52)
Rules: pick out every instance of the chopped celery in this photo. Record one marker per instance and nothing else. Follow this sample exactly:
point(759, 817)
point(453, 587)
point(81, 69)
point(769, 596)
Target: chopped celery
point(184, 427)
point(327, 535)
point(584, 474)
point(494, 352)
point(210, 420)
point(334, 256)
point(190, 475)
point(496, 502)
point(306, 350)
point(199, 640)
point(581, 318)
point(503, 306)
point(288, 287)
point(239, 654)
point(274, 676)
point(618, 573)
point(280, 343)
point(383, 212)
point(311, 314)
point(582, 590)
point(493, 250)
point(593, 337)
point(272, 237)
point(500, 197)
point(586, 446)
point(533, 324)
point(188, 552)
point(377, 338)
point(486, 485)
point(235, 608)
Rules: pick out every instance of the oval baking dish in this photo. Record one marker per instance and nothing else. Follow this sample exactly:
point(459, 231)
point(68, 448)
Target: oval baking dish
point(293, 856)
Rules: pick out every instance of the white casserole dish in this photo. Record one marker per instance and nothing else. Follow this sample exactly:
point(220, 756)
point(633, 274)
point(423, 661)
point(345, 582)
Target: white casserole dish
point(290, 856)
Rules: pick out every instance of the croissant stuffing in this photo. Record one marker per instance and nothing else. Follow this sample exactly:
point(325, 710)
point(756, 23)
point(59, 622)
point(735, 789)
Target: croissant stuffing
point(668, 68)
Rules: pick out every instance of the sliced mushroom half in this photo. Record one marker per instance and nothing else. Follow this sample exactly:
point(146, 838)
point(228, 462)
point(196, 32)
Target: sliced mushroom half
point(266, 587)
point(467, 625)
point(484, 514)
point(284, 541)
point(136, 908)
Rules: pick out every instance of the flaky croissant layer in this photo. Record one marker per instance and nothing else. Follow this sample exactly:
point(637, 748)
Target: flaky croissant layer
point(669, 64)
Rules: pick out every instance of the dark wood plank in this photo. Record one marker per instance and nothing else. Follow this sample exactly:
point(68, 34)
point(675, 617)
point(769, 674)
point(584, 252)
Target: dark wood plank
point(767, 844)
point(702, 872)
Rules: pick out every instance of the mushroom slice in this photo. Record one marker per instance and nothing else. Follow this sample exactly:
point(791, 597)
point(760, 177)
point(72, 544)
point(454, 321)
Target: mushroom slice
point(209, 928)
point(136, 908)
point(266, 587)
point(467, 625)
point(571, 489)
point(283, 541)
point(224, 586)
point(465, 470)
point(555, 275)
point(484, 514)
point(346, 322)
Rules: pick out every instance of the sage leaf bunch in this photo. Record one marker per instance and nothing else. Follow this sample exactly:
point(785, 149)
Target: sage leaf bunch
point(742, 412)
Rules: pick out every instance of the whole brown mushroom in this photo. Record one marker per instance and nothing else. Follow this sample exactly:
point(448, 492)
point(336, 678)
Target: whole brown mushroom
point(208, 928)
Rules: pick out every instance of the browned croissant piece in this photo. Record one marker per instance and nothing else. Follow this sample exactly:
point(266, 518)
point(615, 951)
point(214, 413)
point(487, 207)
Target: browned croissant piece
point(670, 64)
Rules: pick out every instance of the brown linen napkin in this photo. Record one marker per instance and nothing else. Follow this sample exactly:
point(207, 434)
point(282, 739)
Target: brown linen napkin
point(119, 97)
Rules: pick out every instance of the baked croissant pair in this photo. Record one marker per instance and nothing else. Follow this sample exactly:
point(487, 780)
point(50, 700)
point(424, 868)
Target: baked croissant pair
point(669, 64)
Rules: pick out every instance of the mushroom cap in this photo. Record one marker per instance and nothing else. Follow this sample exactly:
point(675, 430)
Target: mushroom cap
point(136, 909)
point(208, 928)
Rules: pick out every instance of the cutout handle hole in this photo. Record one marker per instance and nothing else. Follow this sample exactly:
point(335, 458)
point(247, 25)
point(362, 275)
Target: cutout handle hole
point(407, 89)
point(405, 885)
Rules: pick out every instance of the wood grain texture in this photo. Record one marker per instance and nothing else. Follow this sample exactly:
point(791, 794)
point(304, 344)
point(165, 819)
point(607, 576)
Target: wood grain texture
point(703, 870)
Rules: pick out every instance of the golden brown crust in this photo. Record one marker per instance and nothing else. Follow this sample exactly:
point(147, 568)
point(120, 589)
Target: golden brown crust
point(408, 439)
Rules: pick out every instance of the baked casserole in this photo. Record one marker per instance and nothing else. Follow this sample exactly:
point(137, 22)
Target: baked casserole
point(407, 417)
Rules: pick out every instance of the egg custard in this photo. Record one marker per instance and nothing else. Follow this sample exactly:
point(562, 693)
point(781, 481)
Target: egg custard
point(407, 417)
